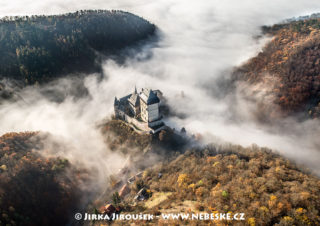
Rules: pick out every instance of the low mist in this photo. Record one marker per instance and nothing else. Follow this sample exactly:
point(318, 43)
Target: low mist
point(200, 42)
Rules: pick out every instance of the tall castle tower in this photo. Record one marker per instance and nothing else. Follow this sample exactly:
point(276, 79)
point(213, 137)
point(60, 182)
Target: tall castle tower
point(149, 105)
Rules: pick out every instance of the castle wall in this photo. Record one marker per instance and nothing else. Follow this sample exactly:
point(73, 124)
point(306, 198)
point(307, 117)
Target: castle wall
point(155, 123)
point(119, 114)
point(159, 129)
point(140, 125)
point(143, 126)
point(153, 112)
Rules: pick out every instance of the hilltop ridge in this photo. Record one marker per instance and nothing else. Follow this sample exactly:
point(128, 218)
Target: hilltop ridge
point(287, 69)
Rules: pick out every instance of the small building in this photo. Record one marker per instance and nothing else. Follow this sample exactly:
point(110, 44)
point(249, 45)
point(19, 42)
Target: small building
point(141, 109)
point(108, 209)
point(141, 195)
point(124, 191)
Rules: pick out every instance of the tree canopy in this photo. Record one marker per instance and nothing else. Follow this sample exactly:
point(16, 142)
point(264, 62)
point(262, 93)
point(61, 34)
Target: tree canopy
point(39, 48)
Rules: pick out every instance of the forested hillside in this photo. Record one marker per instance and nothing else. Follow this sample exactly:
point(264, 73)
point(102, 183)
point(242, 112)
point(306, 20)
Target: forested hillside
point(38, 48)
point(290, 62)
point(269, 189)
point(215, 178)
point(34, 190)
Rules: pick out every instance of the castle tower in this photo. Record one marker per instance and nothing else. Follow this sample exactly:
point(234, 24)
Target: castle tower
point(149, 105)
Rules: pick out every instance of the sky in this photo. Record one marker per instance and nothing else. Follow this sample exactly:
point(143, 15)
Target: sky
point(200, 42)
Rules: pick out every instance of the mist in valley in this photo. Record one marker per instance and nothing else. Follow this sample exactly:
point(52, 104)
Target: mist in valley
point(199, 44)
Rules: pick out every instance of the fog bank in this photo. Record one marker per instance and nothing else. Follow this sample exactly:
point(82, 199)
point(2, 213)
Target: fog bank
point(200, 42)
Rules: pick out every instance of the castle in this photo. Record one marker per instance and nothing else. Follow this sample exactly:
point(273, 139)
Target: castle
point(141, 110)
